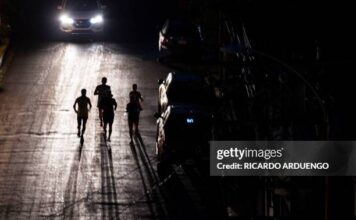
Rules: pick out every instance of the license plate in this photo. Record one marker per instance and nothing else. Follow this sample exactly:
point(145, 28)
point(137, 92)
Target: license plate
point(190, 120)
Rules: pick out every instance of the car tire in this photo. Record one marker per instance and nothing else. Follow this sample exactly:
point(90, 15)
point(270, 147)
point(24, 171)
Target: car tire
point(161, 59)
point(164, 169)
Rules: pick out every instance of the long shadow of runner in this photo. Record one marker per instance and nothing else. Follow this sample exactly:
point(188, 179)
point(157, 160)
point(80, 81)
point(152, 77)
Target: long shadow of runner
point(71, 187)
point(144, 184)
point(109, 201)
point(177, 201)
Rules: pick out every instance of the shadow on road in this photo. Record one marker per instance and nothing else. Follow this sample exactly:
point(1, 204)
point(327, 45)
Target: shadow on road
point(143, 179)
point(170, 191)
point(71, 187)
point(187, 192)
point(109, 201)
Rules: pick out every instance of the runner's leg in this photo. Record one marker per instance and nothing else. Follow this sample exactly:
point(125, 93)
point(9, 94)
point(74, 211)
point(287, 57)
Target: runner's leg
point(136, 124)
point(130, 128)
point(105, 127)
point(79, 121)
point(110, 130)
point(101, 116)
point(84, 125)
point(111, 121)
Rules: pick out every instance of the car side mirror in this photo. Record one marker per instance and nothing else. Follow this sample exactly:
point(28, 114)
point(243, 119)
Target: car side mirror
point(157, 115)
point(160, 81)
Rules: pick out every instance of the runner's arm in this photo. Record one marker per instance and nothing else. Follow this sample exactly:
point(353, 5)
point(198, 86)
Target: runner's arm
point(115, 104)
point(89, 103)
point(75, 103)
point(96, 92)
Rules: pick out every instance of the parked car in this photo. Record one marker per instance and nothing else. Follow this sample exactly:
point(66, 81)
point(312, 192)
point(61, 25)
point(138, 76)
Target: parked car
point(81, 16)
point(181, 88)
point(183, 132)
point(180, 37)
point(184, 118)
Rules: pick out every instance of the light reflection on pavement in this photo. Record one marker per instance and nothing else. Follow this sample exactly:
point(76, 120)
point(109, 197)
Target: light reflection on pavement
point(44, 172)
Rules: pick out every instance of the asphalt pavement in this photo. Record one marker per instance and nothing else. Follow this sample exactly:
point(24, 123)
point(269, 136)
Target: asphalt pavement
point(44, 171)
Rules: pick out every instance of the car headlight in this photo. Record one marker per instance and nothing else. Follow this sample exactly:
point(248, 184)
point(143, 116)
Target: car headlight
point(65, 19)
point(97, 19)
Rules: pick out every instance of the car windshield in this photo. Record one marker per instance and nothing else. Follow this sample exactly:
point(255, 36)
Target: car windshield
point(82, 5)
point(187, 92)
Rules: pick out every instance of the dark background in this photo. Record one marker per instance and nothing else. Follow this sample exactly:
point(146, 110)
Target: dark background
point(289, 30)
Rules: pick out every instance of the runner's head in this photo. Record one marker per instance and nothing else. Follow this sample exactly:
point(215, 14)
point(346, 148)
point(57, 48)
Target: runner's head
point(134, 87)
point(84, 92)
point(104, 80)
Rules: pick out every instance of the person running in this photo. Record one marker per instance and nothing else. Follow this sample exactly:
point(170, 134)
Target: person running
point(133, 112)
point(108, 105)
point(102, 91)
point(84, 105)
point(136, 95)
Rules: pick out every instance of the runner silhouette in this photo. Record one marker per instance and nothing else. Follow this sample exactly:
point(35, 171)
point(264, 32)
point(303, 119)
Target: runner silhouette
point(108, 105)
point(133, 115)
point(84, 105)
point(136, 95)
point(102, 91)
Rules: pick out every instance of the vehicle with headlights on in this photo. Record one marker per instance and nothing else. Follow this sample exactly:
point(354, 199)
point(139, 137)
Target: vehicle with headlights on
point(81, 16)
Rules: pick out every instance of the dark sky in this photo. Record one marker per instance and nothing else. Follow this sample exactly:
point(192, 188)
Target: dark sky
point(294, 23)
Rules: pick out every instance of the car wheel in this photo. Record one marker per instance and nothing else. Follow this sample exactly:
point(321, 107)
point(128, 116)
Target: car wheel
point(164, 169)
point(161, 59)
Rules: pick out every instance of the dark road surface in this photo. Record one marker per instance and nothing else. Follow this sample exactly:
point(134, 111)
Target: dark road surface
point(44, 172)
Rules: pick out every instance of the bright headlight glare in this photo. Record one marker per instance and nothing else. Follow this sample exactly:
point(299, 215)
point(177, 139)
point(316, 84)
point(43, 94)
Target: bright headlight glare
point(65, 19)
point(97, 19)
